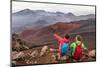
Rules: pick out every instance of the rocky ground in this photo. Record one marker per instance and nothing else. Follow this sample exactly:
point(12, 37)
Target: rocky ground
point(47, 55)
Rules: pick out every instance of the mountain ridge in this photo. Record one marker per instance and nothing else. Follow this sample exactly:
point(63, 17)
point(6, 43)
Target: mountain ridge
point(27, 18)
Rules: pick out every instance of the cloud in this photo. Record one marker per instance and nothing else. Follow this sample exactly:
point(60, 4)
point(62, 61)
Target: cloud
point(76, 9)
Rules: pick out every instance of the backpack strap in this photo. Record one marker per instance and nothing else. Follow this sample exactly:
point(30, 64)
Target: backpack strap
point(79, 44)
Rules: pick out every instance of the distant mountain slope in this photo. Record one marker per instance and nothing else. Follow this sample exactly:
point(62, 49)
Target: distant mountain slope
point(27, 18)
point(87, 26)
point(45, 35)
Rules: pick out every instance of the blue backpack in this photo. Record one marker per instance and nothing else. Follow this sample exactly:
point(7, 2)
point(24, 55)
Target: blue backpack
point(65, 48)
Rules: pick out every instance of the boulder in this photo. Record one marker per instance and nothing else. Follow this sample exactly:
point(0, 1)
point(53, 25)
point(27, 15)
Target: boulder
point(44, 50)
point(13, 62)
point(92, 53)
point(17, 55)
point(34, 53)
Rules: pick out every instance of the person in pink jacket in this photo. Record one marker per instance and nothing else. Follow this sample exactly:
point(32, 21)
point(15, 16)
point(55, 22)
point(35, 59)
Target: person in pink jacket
point(61, 43)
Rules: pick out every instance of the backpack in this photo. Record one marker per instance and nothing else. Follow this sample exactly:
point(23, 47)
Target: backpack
point(65, 48)
point(78, 52)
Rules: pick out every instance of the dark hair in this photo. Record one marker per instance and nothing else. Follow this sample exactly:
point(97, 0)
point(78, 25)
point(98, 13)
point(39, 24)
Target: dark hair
point(79, 38)
point(67, 36)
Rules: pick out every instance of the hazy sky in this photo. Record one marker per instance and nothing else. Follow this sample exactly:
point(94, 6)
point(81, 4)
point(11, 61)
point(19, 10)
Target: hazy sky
point(76, 9)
